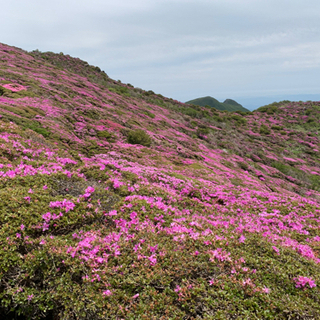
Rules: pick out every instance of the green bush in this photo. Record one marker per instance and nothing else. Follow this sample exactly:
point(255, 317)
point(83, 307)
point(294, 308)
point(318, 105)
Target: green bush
point(41, 131)
point(202, 132)
point(107, 135)
point(239, 120)
point(264, 129)
point(139, 137)
point(276, 127)
point(92, 114)
point(190, 112)
point(149, 114)
point(315, 182)
point(124, 91)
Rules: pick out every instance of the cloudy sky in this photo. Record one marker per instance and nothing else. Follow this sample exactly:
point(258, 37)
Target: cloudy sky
point(253, 51)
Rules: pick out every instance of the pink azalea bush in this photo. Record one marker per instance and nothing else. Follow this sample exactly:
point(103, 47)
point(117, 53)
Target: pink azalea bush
point(14, 87)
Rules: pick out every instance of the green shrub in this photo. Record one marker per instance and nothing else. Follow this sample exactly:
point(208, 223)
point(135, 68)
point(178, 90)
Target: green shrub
point(272, 110)
point(276, 127)
point(264, 129)
point(239, 120)
point(190, 112)
point(124, 91)
point(315, 182)
point(92, 114)
point(243, 165)
point(202, 132)
point(139, 137)
point(41, 131)
point(149, 114)
point(217, 118)
point(107, 135)
point(148, 93)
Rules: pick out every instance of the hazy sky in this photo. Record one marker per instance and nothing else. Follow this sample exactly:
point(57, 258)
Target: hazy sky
point(184, 49)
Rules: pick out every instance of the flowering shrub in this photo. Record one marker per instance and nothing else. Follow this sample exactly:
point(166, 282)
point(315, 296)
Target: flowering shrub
point(14, 87)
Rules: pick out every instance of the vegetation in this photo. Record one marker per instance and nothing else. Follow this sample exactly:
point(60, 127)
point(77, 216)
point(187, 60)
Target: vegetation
point(139, 137)
point(198, 214)
point(228, 104)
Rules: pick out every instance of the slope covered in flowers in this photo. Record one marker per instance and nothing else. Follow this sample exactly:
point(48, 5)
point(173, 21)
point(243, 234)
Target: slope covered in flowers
point(118, 203)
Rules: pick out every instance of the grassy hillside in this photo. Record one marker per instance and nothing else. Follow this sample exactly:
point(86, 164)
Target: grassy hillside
point(119, 203)
point(227, 105)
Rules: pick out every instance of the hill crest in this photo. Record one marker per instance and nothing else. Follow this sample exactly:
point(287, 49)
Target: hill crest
point(227, 105)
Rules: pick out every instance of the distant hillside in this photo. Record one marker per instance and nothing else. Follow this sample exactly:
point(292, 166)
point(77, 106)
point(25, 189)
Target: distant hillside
point(228, 105)
point(232, 103)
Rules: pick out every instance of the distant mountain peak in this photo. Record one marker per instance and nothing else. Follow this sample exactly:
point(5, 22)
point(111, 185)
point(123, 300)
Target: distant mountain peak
point(232, 102)
point(227, 105)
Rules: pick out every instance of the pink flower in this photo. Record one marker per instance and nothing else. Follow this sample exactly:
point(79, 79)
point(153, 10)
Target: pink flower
point(266, 290)
point(22, 227)
point(135, 296)
point(107, 293)
point(276, 250)
point(111, 213)
point(30, 191)
point(68, 205)
point(153, 249)
point(247, 282)
point(133, 215)
point(242, 239)
point(177, 289)
point(89, 190)
point(30, 297)
point(46, 216)
point(153, 260)
point(220, 255)
point(301, 282)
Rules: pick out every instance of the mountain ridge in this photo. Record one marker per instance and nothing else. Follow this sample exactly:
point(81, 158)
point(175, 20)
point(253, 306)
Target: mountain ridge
point(227, 105)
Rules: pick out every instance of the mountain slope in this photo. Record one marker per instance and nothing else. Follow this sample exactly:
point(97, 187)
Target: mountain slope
point(118, 203)
point(233, 103)
point(227, 105)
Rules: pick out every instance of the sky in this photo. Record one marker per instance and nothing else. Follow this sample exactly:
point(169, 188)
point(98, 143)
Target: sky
point(253, 51)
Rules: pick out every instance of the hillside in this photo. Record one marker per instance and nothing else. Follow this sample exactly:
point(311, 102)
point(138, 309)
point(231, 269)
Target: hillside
point(227, 105)
point(119, 203)
point(234, 103)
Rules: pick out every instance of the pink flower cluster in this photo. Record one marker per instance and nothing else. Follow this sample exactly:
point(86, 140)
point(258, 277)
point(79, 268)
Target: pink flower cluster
point(66, 204)
point(88, 192)
point(220, 255)
point(301, 282)
point(14, 87)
